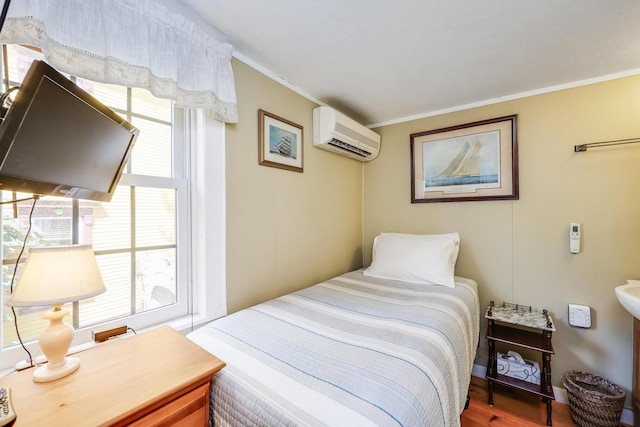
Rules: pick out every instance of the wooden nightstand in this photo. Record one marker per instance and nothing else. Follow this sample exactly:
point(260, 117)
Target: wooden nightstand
point(155, 378)
point(505, 324)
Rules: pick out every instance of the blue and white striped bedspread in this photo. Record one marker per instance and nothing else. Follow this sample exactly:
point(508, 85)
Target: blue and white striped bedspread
point(351, 351)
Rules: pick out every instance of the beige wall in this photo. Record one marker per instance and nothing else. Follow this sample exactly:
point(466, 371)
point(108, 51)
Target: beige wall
point(285, 230)
point(518, 251)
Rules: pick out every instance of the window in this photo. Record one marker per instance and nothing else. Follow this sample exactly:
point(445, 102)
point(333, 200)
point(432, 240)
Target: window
point(140, 238)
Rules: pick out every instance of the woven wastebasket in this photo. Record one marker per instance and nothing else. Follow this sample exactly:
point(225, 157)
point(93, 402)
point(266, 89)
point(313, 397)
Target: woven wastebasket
point(593, 401)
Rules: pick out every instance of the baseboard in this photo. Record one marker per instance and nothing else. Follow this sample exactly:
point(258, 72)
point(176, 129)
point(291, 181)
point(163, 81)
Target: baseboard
point(560, 393)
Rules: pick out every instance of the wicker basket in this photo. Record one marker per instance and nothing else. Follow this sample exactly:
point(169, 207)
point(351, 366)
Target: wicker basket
point(593, 400)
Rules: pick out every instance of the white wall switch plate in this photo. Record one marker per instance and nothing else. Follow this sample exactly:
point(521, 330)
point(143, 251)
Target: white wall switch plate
point(579, 315)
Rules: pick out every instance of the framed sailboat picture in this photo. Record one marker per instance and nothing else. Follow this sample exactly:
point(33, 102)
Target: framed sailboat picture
point(279, 142)
point(474, 161)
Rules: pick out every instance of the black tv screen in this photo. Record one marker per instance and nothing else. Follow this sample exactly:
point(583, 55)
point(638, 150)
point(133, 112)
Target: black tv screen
point(58, 140)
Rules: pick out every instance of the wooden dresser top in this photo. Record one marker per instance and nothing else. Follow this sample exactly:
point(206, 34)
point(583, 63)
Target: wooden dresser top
point(115, 380)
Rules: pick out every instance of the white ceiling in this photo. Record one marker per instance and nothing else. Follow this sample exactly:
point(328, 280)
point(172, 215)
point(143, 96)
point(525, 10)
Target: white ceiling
point(384, 61)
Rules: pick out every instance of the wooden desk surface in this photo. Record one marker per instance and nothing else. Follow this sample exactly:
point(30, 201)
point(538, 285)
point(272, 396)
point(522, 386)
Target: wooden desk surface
point(115, 380)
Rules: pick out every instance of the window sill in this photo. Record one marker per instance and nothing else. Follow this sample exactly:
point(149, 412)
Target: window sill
point(187, 324)
point(184, 325)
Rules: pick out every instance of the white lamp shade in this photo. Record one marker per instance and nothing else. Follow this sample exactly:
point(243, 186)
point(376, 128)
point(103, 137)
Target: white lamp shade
point(56, 275)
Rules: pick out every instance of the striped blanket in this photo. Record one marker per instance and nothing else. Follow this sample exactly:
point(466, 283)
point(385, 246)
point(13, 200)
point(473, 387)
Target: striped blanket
point(351, 351)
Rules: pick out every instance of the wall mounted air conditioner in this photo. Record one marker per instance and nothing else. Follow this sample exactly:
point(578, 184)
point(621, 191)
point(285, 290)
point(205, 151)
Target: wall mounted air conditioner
point(338, 133)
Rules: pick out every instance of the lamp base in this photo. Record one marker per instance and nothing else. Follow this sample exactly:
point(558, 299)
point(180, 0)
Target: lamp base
point(55, 342)
point(50, 372)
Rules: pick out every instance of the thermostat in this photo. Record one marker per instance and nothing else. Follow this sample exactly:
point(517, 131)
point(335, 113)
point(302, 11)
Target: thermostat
point(579, 315)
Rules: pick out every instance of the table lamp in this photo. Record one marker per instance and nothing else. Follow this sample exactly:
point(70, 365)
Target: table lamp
point(54, 276)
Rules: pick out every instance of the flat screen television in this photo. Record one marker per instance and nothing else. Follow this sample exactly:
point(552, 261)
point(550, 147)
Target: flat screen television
point(58, 140)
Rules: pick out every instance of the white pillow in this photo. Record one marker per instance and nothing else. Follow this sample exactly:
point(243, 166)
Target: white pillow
point(428, 259)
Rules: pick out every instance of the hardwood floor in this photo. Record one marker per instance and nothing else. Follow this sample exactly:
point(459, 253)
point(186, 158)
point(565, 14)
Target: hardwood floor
point(511, 408)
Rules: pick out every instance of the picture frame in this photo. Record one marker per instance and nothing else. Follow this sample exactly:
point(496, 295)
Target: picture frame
point(280, 142)
point(470, 162)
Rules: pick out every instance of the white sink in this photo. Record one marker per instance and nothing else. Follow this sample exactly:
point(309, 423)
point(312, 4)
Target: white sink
point(629, 296)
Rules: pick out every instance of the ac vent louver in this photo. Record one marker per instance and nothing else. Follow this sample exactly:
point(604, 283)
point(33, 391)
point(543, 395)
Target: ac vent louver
point(346, 146)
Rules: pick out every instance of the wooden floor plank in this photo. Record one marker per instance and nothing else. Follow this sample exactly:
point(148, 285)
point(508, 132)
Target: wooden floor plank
point(511, 408)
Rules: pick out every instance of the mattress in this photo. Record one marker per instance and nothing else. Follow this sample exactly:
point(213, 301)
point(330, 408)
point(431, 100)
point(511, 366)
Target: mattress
point(353, 350)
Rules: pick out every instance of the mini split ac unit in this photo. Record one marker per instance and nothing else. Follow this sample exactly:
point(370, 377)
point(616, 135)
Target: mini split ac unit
point(338, 133)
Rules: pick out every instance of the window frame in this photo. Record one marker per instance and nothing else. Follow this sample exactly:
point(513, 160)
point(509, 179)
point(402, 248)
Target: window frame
point(199, 180)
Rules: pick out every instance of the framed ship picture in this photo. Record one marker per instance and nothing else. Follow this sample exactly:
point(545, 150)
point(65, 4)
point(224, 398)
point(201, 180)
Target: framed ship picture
point(280, 143)
point(474, 161)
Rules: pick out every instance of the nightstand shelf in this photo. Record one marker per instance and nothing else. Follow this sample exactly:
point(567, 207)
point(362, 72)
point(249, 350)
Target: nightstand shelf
point(155, 378)
point(520, 326)
point(521, 338)
point(517, 384)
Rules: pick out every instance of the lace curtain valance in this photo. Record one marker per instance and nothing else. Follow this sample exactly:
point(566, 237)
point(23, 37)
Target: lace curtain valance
point(153, 44)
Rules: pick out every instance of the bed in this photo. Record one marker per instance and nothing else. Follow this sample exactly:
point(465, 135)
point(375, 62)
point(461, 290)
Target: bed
point(355, 350)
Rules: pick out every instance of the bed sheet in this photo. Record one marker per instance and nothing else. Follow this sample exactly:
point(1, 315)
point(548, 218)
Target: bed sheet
point(353, 350)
